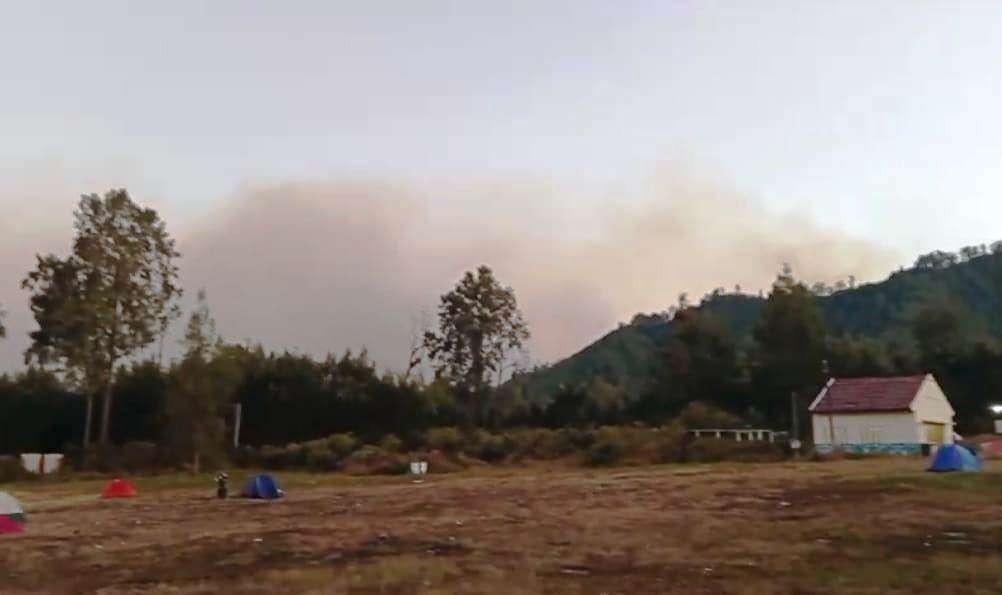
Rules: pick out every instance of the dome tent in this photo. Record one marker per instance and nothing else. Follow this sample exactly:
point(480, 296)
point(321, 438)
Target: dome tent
point(954, 457)
point(262, 487)
point(119, 488)
point(11, 515)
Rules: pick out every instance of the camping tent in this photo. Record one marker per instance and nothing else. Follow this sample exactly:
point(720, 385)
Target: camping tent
point(263, 487)
point(954, 457)
point(11, 515)
point(119, 488)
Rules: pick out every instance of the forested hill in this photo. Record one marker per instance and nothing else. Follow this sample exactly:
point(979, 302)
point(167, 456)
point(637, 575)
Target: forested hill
point(628, 356)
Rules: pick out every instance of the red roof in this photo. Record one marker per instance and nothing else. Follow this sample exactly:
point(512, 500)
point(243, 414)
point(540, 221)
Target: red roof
point(857, 395)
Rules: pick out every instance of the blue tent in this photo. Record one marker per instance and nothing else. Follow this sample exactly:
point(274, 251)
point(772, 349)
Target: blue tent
point(954, 457)
point(263, 487)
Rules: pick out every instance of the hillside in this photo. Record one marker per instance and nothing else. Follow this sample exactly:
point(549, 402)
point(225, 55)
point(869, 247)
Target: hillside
point(628, 354)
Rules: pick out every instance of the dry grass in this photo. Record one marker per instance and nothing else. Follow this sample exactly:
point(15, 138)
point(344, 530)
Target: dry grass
point(871, 526)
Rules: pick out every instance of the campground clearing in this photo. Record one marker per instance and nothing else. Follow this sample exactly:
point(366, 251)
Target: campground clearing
point(864, 526)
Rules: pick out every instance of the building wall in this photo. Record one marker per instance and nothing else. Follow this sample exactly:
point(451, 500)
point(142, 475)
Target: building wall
point(931, 406)
point(898, 427)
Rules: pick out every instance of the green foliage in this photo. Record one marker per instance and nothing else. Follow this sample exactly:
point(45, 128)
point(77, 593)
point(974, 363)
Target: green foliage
point(790, 348)
point(700, 358)
point(479, 325)
point(445, 439)
point(605, 452)
point(700, 415)
point(540, 443)
point(626, 357)
point(11, 470)
point(390, 443)
point(870, 330)
point(138, 456)
point(342, 445)
point(199, 389)
point(709, 450)
point(109, 299)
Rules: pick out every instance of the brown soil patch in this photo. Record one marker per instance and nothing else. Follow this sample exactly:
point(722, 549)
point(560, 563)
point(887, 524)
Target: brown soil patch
point(777, 528)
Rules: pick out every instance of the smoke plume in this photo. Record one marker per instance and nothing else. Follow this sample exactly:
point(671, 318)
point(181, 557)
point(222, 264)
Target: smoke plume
point(321, 266)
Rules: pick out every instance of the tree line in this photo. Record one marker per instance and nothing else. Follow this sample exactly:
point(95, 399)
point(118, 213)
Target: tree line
point(100, 309)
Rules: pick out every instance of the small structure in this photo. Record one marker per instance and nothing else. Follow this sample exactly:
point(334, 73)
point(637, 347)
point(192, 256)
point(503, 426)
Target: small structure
point(41, 463)
point(739, 435)
point(904, 415)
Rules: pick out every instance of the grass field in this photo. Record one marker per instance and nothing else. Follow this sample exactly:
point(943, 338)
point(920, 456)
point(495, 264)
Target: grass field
point(866, 526)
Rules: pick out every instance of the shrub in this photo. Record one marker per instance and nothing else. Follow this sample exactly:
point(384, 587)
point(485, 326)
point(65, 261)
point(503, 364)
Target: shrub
point(138, 456)
point(439, 462)
point(102, 457)
point(669, 442)
point(578, 438)
point(366, 452)
point(446, 439)
point(708, 450)
point(246, 456)
point(11, 470)
point(605, 452)
point(390, 443)
point(701, 415)
point(273, 457)
point(342, 445)
point(494, 448)
point(373, 460)
point(321, 458)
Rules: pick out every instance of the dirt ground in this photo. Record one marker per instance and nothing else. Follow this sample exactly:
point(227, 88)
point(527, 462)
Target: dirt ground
point(872, 526)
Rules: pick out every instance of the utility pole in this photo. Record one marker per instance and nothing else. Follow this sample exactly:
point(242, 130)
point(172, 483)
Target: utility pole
point(794, 418)
point(238, 410)
point(794, 425)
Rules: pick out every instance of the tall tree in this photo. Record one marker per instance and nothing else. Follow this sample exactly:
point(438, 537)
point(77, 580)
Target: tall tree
point(790, 338)
point(942, 331)
point(108, 299)
point(479, 327)
point(701, 359)
point(199, 387)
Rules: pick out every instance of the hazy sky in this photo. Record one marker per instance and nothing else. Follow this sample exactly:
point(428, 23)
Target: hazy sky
point(874, 125)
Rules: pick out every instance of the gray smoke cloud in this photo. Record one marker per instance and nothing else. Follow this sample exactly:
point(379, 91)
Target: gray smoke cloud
point(320, 266)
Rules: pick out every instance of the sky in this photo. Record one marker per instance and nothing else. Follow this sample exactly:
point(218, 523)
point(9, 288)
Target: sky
point(330, 168)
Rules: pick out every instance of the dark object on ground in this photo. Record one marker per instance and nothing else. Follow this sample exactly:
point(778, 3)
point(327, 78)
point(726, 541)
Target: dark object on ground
point(222, 489)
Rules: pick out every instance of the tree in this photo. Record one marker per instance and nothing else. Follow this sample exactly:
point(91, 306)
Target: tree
point(198, 389)
point(941, 332)
point(479, 326)
point(700, 361)
point(936, 260)
point(790, 338)
point(108, 299)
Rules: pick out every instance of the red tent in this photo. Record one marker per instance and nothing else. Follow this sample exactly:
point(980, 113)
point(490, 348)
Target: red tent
point(9, 525)
point(119, 488)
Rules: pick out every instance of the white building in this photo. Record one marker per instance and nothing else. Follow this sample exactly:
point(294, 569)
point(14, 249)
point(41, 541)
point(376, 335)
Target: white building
point(897, 414)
